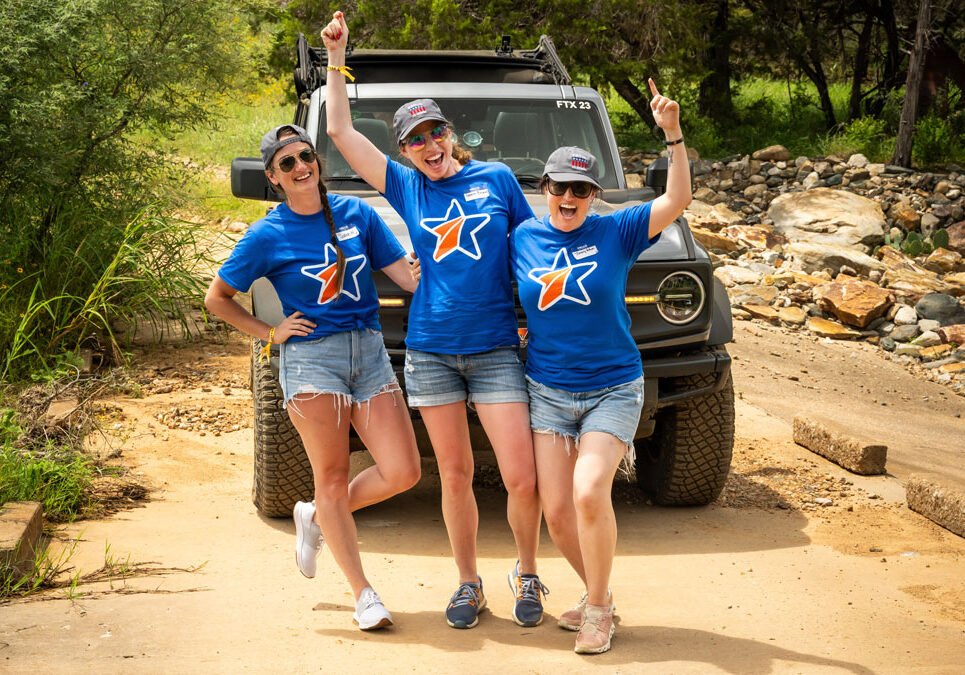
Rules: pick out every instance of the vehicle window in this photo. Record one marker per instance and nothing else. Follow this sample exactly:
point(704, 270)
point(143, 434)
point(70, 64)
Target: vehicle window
point(519, 133)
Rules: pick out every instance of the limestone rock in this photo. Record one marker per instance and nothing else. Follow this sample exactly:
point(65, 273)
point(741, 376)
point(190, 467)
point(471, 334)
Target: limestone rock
point(773, 153)
point(830, 329)
point(907, 349)
point(954, 333)
point(940, 503)
point(755, 236)
point(905, 316)
point(956, 237)
point(944, 261)
point(753, 191)
point(752, 294)
point(761, 312)
point(858, 161)
point(705, 194)
point(853, 301)
point(814, 257)
point(710, 240)
point(838, 444)
point(792, 314)
point(827, 216)
point(732, 275)
point(904, 214)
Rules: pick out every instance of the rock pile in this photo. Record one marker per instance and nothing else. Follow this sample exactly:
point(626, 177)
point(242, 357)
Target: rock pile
point(802, 243)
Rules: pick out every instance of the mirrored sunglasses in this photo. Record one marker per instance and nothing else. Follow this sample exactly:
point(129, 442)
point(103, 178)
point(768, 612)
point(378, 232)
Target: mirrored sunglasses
point(286, 164)
point(580, 189)
point(418, 141)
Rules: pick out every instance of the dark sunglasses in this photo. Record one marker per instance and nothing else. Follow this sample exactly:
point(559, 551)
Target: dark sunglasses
point(286, 164)
point(418, 141)
point(580, 189)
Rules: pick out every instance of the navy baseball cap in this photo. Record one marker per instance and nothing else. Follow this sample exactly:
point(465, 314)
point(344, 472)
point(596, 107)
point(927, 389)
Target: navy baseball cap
point(412, 114)
point(270, 143)
point(569, 164)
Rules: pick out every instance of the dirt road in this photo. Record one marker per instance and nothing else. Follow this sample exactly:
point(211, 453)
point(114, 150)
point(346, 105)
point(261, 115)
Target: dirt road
point(762, 582)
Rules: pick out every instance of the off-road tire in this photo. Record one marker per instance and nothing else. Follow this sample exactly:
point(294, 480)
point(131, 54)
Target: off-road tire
point(283, 474)
point(686, 460)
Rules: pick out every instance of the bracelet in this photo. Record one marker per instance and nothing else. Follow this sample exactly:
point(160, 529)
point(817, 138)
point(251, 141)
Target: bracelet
point(344, 70)
point(266, 350)
point(669, 143)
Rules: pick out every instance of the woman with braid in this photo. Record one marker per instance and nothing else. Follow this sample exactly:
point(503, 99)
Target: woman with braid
point(318, 252)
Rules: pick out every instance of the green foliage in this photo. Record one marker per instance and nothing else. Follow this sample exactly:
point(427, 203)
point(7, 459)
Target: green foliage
point(935, 140)
point(939, 238)
point(865, 135)
point(915, 245)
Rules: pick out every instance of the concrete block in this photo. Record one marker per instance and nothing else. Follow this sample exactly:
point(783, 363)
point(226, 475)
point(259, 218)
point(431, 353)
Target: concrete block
point(20, 527)
point(839, 445)
point(938, 502)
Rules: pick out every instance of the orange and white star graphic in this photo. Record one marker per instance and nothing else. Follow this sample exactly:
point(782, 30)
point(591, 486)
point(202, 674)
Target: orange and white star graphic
point(562, 275)
point(450, 231)
point(325, 273)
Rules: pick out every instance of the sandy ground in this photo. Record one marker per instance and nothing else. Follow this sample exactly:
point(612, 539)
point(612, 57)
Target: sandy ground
point(762, 582)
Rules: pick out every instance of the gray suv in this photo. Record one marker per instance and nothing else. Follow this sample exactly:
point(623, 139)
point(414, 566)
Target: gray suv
point(516, 107)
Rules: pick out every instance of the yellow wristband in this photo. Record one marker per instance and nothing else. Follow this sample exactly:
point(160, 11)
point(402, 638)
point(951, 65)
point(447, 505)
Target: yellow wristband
point(344, 70)
point(266, 350)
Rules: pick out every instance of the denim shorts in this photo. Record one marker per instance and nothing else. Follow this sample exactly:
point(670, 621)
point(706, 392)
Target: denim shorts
point(612, 410)
point(351, 364)
point(495, 376)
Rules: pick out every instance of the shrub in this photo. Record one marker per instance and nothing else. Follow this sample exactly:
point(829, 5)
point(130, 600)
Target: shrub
point(934, 142)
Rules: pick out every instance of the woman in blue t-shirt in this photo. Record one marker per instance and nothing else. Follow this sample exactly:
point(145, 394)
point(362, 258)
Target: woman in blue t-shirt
point(583, 368)
point(461, 338)
point(318, 251)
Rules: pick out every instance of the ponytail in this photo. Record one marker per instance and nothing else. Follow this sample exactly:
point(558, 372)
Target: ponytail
point(461, 154)
point(340, 256)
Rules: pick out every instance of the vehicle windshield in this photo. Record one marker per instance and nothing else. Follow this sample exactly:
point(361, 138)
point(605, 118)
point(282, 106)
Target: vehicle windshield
point(520, 133)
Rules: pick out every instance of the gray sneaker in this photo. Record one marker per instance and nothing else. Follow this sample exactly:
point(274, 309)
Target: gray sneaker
point(308, 538)
point(370, 613)
point(465, 605)
point(528, 608)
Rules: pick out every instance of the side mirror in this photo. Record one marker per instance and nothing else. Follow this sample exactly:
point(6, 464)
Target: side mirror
point(248, 180)
point(657, 174)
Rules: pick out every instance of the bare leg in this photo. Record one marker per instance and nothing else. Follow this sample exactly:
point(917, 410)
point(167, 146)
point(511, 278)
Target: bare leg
point(384, 426)
point(554, 473)
point(593, 473)
point(449, 433)
point(507, 426)
point(323, 428)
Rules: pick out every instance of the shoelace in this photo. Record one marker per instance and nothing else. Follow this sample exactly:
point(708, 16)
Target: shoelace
point(528, 588)
point(369, 598)
point(464, 595)
point(597, 624)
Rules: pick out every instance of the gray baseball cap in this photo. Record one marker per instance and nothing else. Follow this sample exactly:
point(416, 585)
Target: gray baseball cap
point(412, 114)
point(270, 143)
point(569, 164)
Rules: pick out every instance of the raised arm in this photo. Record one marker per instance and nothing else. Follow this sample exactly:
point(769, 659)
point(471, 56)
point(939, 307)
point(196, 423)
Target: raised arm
point(361, 154)
point(669, 205)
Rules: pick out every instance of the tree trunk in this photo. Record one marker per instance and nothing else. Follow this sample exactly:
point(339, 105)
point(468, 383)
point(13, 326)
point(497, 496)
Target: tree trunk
point(860, 67)
point(714, 98)
point(909, 107)
point(885, 11)
point(639, 101)
point(815, 73)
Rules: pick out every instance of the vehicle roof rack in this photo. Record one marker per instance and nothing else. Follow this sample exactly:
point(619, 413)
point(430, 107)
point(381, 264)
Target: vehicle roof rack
point(541, 65)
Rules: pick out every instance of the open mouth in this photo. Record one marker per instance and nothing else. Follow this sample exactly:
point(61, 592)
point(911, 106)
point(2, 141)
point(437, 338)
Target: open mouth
point(567, 211)
point(302, 177)
point(435, 161)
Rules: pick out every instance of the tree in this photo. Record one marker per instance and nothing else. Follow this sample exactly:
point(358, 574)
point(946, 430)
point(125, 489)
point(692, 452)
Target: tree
point(909, 107)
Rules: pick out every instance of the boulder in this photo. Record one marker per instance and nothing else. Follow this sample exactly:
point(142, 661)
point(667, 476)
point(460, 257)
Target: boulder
point(772, 153)
point(942, 308)
point(830, 329)
point(813, 257)
point(705, 194)
point(754, 236)
point(732, 275)
point(752, 294)
point(852, 301)
point(954, 333)
point(827, 216)
point(710, 240)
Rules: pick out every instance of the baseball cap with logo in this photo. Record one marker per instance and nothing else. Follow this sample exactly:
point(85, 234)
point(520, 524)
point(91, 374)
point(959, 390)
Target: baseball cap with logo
point(412, 114)
point(569, 164)
point(270, 143)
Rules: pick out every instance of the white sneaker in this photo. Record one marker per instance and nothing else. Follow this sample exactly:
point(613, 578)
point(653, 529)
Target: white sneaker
point(370, 613)
point(308, 538)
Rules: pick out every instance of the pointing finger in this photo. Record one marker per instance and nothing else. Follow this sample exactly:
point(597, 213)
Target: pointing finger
point(653, 87)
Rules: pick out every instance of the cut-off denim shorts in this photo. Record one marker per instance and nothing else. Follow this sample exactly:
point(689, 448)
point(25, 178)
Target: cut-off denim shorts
point(353, 365)
point(495, 376)
point(613, 410)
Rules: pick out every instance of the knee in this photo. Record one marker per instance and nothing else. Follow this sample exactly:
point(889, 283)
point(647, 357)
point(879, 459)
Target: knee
point(331, 487)
point(406, 476)
point(558, 516)
point(590, 500)
point(521, 486)
point(455, 477)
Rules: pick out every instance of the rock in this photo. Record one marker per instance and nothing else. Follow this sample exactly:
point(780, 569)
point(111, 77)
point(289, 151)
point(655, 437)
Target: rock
point(753, 191)
point(942, 308)
point(954, 333)
point(858, 161)
point(935, 352)
point(941, 187)
point(792, 314)
point(954, 281)
point(761, 312)
point(853, 301)
point(823, 501)
point(827, 216)
point(707, 195)
point(634, 181)
point(21, 524)
point(925, 325)
point(888, 344)
point(757, 179)
point(801, 161)
point(836, 179)
point(710, 240)
point(956, 237)
point(830, 329)
point(904, 333)
point(754, 236)
point(906, 349)
point(781, 279)
point(839, 444)
point(943, 261)
point(702, 167)
point(814, 256)
point(237, 227)
point(772, 153)
point(945, 505)
point(906, 316)
point(928, 338)
point(953, 368)
point(812, 180)
point(928, 224)
point(904, 214)
point(732, 275)
point(744, 294)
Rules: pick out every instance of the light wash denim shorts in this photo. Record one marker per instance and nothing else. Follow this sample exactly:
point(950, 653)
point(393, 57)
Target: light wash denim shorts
point(351, 364)
point(613, 410)
point(495, 376)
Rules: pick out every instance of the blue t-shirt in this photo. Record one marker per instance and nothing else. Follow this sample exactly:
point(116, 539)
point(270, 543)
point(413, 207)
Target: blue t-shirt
point(459, 226)
point(572, 286)
point(295, 253)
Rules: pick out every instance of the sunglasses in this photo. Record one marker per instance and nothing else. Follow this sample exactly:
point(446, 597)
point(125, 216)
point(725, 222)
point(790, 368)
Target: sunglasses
point(418, 141)
point(286, 164)
point(580, 189)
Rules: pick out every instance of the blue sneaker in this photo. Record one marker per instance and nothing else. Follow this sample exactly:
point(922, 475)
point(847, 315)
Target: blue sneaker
point(465, 605)
point(528, 610)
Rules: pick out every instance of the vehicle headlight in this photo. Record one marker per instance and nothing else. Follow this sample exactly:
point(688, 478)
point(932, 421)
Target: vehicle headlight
point(680, 297)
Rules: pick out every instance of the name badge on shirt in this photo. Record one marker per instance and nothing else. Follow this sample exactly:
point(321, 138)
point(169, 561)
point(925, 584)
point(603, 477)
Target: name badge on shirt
point(479, 192)
point(584, 252)
point(347, 233)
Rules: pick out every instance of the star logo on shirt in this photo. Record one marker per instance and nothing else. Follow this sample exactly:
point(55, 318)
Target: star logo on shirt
point(563, 276)
point(456, 231)
point(325, 273)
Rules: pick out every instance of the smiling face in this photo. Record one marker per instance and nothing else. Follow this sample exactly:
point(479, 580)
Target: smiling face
point(435, 159)
point(302, 180)
point(568, 212)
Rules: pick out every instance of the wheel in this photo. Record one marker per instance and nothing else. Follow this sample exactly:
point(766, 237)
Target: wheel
point(686, 460)
point(283, 474)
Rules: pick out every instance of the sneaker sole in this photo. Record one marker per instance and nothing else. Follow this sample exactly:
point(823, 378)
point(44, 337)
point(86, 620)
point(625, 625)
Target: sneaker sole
point(596, 650)
point(299, 535)
point(567, 626)
point(384, 622)
point(461, 625)
point(517, 620)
